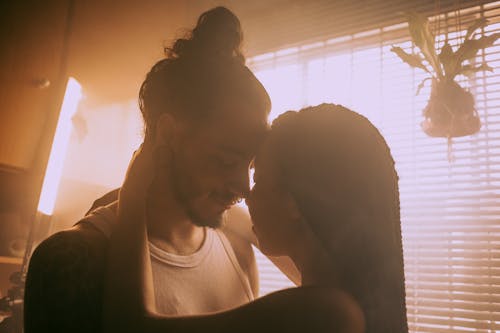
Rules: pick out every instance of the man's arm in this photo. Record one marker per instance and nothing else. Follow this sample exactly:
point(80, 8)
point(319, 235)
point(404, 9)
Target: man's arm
point(246, 258)
point(105, 200)
point(64, 282)
point(238, 223)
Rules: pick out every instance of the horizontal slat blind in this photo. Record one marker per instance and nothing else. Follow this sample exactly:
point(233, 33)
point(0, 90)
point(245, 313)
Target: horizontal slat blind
point(279, 24)
point(450, 210)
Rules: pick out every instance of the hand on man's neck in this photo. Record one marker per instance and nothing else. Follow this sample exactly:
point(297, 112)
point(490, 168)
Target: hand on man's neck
point(168, 225)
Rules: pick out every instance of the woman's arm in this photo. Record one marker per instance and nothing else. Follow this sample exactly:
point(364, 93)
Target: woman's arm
point(129, 306)
point(292, 310)
point(128, 293)
point(296, 310)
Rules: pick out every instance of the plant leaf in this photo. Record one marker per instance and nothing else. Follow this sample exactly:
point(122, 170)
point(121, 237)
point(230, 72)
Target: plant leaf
point(479, 23)
point(417, 24)
point(447, 59)
point(422, 84)
point(424, 40)
point(471, 47)
point(414, 60)
point(469, 70)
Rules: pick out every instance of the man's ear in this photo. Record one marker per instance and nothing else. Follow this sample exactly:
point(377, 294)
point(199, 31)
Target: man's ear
point(167, 129)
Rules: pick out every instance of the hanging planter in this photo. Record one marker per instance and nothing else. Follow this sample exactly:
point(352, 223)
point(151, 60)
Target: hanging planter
point(450, 111)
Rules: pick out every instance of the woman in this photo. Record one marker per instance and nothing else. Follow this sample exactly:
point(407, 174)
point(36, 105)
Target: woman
point(326, 195)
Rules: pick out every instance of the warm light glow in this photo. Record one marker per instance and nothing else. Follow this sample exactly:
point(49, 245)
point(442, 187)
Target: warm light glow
point(374, 82)
point(59, 147)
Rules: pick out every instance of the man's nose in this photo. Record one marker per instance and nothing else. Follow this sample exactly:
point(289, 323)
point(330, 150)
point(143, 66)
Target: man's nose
point(240, 183)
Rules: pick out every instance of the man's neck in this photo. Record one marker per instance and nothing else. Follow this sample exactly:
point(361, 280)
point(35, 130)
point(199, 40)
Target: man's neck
point(179, 243)
point(172, 231)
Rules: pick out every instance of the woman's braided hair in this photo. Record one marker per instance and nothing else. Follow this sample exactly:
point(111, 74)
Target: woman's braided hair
point(340, 171)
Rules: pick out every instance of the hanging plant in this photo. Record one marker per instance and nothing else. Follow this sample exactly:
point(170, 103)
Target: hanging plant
point(450, 111)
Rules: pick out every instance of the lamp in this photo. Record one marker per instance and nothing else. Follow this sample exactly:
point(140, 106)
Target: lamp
point(59, 148)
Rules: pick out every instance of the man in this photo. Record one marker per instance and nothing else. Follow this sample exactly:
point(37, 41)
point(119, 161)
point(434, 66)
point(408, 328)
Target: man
point(206, 111)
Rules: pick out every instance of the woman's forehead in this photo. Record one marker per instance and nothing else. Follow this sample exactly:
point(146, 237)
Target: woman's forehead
point(264, 161)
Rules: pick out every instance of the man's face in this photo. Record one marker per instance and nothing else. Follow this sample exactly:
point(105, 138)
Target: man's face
point(210, 164)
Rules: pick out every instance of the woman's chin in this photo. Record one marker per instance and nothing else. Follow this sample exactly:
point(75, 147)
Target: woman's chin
point(269, 250)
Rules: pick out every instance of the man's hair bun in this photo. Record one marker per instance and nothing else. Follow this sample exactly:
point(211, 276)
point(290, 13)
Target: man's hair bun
point(217, 35)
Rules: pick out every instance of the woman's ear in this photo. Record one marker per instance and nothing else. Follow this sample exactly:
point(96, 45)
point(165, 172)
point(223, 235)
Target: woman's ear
point(292, 207)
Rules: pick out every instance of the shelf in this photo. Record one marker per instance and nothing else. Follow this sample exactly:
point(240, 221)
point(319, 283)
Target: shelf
point(11, 260)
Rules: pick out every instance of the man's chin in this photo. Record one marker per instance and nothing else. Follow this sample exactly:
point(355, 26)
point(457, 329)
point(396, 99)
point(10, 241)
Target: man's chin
point(214, 222)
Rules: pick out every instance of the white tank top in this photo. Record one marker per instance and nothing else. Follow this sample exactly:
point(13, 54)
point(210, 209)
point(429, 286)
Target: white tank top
point(208, 280)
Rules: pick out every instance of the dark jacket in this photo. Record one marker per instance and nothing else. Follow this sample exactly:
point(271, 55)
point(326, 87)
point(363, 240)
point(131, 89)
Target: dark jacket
point(64, 285)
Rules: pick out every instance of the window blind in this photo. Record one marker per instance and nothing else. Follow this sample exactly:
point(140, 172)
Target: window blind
point(450, 209)
point(278, 24)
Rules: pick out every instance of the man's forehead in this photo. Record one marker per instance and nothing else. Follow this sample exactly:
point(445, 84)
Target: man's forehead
point(232, 149)
point(237, 136)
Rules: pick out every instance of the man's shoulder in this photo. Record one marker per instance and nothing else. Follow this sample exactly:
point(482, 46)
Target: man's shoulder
point(69, 256)
point(81, 238)
point(65, 276)
point(239, 233)
point(246, 258)
point(89, 234)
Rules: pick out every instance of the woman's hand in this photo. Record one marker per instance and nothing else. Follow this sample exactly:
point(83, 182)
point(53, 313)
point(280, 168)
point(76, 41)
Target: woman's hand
point(138, 179)
point(129, 294)
point(147, 177)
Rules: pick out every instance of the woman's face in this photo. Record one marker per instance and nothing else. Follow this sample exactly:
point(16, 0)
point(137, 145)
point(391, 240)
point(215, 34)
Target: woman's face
point(269, 206)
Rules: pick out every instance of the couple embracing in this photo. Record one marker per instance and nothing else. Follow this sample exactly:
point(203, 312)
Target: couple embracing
point(159, 256)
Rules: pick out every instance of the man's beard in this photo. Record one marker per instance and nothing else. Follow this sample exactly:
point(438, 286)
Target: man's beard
point(201, 221)
point(182, 195)
point(213, 222)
